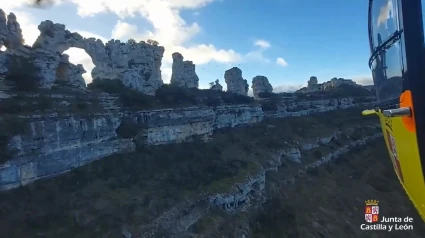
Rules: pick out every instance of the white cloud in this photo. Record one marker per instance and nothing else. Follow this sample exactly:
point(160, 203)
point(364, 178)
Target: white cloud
point(256, 55)
point(287, 88)
point(262, 44)
point(384, 13)
point(166, 74)
point(199, 54)
point(363, 79)
point(166, 26)
point(281, 62)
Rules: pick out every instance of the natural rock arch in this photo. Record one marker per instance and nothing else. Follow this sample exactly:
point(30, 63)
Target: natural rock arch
point(137, 65)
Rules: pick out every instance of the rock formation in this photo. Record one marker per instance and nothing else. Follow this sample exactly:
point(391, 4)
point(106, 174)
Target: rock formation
point(183, 72)
point(69, 73)
point(261, 84)
point(137, 65)
point(312, 84)
point(217, 86)
point(235, 82)
point(3, 28)
point(10, 31)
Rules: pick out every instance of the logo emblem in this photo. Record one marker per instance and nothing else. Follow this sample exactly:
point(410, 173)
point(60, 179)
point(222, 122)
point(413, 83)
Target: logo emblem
point(372, 211)
point(393, 150)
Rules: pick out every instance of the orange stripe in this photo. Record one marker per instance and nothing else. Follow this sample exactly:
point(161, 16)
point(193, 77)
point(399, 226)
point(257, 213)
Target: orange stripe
point(406, 101)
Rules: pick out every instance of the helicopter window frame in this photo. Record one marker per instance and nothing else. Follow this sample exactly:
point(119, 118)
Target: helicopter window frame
point(394, 38)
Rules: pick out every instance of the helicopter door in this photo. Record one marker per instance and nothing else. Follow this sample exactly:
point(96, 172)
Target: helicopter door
point(397, 60)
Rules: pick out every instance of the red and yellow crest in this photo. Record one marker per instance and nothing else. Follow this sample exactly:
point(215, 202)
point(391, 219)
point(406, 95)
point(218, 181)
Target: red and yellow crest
point(372, 211)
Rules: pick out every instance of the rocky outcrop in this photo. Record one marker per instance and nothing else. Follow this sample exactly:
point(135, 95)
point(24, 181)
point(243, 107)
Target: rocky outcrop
point(216, 86)
point(253, 189)
point(183, 72)
point(137, 65)
point(261, 84)
point(235, 82)
point(67, 73)
point(57, 143)
point(249, 193)
point(309, 107)
point(312, 85)
point(10, 31)
point(3, 28)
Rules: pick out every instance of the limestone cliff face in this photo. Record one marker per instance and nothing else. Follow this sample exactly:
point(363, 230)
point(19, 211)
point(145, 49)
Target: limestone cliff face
point(58, 140)
point(235, 82)
point(137, 65)
point(261, 84)
point(183, 74)
point(57, 143)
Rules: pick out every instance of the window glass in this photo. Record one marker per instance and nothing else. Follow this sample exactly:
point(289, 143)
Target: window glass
point(384, 20)
point(387, 64)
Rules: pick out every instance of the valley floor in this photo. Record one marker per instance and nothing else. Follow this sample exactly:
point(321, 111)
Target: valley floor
point(330, 202)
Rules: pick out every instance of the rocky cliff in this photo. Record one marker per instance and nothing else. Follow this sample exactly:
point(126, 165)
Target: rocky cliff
point(137, 65)
point(183, 72)
point(260, 84)
point(56, 143)
point(168, 154)
point(235, 82)
point(172, 189)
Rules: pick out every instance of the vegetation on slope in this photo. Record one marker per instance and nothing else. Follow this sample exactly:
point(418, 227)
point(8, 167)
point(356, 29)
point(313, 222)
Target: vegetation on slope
point(168, 96)
point(343, 91)
point(133, 189)
point(326, 202)
point(330, 203)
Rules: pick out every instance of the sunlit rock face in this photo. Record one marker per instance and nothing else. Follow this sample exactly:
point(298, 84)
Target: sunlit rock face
point(261, 84)
point(235, 82)
point(60, 140)
point(137, 65)
point(183, 72)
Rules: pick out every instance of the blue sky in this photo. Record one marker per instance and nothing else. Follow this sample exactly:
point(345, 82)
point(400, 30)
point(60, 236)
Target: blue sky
point(322, 38)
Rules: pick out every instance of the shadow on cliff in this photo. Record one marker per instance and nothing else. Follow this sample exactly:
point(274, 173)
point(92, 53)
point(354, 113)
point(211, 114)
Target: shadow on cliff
point(133, 189)
point(330, 201)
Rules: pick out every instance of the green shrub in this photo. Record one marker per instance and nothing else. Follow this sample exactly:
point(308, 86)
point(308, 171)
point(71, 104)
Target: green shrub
point(21, 105)
point(168, 96)
point(269, 105)
point(22, 73)
point(10, 126)
point(128, 97)
point(128, 128)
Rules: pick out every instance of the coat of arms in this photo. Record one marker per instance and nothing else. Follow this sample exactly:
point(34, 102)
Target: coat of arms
point(372, 211)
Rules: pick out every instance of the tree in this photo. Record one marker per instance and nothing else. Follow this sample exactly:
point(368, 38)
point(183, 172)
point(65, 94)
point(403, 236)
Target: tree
point(211, 84)
point(131, 41)
point(152, 42)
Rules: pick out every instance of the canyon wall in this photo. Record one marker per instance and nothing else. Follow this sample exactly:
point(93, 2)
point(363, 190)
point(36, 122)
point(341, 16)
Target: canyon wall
point(57, 143)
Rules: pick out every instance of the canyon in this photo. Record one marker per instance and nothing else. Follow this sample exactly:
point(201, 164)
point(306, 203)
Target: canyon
point(130, 156)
